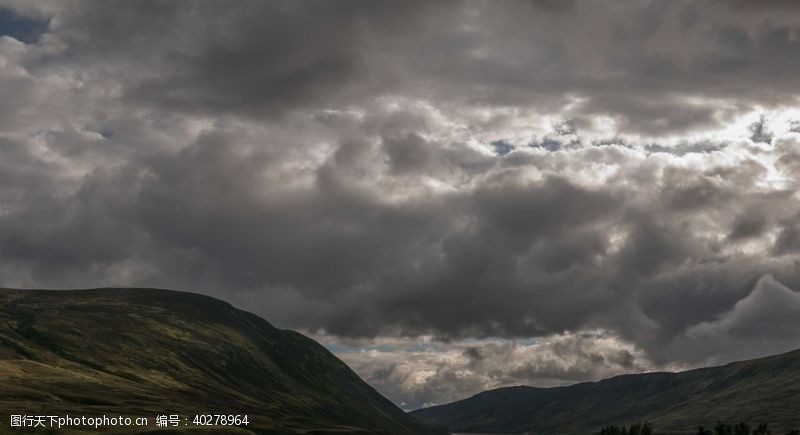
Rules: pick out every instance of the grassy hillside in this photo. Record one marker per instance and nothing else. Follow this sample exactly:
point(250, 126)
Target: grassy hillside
point(761, 390)
point(146, 352)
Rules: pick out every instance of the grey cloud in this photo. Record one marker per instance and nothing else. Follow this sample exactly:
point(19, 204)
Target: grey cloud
point(252, 59)
point(696, 192)
point(788, 240)
point(760, 133)
point(651, 247)
point(520, 258)
point(764, 322)
point(748, 225)
point(408, 153)
point(334, 171)
point(650, 64)
point(473, 353)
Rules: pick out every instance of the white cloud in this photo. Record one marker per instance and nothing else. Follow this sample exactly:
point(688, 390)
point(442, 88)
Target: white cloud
point(423, 374)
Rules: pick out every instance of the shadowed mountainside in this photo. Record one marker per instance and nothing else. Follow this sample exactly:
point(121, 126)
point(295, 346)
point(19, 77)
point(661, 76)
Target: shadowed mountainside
point(760, 390)
point(147, 352)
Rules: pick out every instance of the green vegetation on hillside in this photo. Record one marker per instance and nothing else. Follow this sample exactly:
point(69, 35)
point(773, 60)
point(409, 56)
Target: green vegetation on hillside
point(634, 429)
point(742, 428)
point(765, 389)
point(720, 428)
point(146, 352)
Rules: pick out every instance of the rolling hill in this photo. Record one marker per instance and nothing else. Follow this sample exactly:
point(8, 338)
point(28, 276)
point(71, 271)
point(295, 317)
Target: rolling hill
point(148, 352)
point(760, 390)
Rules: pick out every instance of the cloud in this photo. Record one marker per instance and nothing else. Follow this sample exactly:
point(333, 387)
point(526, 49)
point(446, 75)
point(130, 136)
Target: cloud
point(763, 322)
point(439, 373)
point(663, 70)
point(385, 171)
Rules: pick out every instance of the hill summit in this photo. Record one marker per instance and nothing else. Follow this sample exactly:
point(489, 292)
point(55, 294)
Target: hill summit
point(148, 352)
point(764, 390)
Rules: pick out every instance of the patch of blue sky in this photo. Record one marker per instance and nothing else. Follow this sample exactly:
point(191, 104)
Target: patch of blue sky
point(501, 147)
point(527, 341)
point(413, 347)
point(24, 29)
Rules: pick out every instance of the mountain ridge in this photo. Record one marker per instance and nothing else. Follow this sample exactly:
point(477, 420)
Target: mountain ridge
point(147, 352)
point(758, 390)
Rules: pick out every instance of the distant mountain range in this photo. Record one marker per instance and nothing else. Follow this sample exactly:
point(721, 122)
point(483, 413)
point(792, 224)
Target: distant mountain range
point(755, 391)
point(147, 352)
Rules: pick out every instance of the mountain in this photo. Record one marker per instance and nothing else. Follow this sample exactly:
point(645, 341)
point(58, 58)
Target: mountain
point(760, 390)
point(148, 352)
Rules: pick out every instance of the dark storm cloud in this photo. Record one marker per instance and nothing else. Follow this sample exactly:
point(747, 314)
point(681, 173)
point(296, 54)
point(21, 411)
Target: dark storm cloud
point(408, 154)
point(748, 225)
point(454, 170)
point(770, 309)
point(646, 63)
point(788, 240)
point(649, 64)
point(252, 58)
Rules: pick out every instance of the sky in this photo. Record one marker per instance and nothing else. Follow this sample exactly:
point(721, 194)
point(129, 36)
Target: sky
point(451, 196)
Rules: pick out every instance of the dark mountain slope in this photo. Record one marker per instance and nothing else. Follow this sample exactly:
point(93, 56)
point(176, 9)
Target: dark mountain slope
point(760, 390)
point(146, 352)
